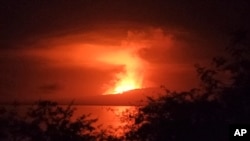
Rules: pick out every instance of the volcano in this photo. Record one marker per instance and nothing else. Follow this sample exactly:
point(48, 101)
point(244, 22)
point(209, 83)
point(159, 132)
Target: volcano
point(128, 98)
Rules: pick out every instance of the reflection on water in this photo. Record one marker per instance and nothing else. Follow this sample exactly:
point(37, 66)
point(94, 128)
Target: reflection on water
point(107, 115)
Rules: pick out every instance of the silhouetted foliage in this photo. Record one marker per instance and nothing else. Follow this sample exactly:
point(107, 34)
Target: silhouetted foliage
point(203, 113)
point(45, 121)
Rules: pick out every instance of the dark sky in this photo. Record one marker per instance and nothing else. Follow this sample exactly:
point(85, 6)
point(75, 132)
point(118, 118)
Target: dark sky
point(58, 48)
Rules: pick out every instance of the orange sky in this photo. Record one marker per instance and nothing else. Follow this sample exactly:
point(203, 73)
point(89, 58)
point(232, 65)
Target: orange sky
point(101, 62)
point(68, 50)
point(127, 56)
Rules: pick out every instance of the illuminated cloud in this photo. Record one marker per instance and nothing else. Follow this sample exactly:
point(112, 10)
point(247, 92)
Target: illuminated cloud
point(77, 44)
point(101, 61)
point(88, 50)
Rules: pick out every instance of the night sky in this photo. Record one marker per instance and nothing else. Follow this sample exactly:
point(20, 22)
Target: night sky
point(61, 49)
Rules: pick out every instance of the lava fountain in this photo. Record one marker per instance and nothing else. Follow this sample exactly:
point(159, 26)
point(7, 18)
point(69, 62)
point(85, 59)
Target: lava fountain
point(132, 75)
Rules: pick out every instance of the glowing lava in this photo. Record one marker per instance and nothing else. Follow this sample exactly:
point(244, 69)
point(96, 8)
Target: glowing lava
point(129, 79)
point(125, 85)
point(132, 75)
point(127, 82)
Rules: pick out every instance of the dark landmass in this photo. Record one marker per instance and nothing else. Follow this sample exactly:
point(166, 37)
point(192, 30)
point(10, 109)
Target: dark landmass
point(129, 98)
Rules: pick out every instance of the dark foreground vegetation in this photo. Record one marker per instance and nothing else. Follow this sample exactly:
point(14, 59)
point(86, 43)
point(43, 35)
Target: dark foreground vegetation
point(203, 113)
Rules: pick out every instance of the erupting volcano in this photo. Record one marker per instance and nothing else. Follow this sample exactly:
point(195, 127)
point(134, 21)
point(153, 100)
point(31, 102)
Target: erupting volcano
point(131, 77)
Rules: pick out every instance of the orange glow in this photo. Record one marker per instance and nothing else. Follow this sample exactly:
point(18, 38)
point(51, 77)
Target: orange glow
point(128, 81)
point(125, 85)
point(124, 59)
point(132, 75)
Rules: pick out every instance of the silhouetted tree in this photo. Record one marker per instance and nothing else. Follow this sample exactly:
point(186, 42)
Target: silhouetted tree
point(45, 121)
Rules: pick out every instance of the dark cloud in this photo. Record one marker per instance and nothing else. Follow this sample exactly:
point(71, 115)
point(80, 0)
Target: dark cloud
point(21, 20)
point(49, 88)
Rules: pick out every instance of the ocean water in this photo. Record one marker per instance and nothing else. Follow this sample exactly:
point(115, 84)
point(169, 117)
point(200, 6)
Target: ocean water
point(107, 115)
